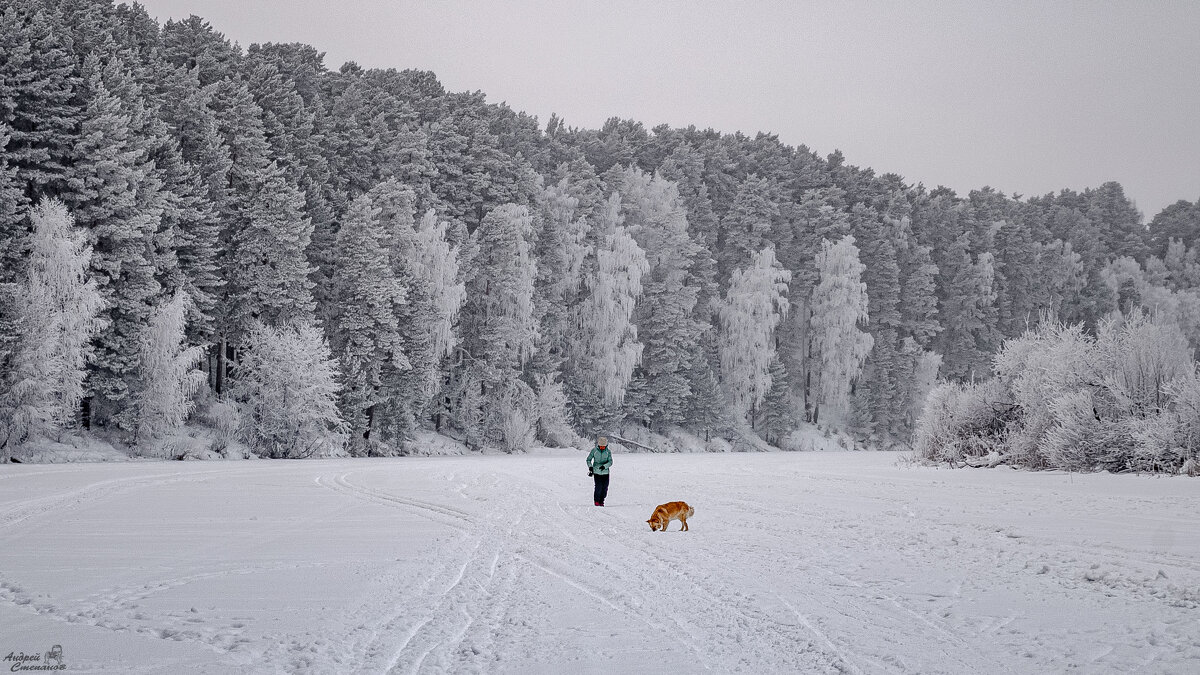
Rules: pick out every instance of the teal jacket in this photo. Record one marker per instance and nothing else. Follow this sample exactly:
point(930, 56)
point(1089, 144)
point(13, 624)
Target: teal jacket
point(599, 460)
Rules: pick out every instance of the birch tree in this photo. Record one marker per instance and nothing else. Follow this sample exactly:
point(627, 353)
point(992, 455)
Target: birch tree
point(56, 316)
point(604, 347)
point(753, 307)
point(839, 345)
point(167, 373)
point(288, 390)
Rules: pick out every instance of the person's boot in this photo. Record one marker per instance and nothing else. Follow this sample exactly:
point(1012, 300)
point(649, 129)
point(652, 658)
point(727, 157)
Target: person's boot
point(599, 504)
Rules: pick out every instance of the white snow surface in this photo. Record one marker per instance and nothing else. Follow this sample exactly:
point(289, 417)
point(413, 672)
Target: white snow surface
point(795, 562)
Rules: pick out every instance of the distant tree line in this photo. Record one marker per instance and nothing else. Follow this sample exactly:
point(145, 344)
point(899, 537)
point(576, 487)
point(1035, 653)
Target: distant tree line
point(348, 255)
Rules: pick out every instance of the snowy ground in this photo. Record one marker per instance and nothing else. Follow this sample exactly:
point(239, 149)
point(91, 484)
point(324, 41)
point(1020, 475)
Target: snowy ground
point(807, 562)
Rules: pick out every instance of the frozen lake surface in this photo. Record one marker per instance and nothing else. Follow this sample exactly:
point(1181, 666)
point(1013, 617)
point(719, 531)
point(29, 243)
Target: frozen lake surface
point(810, 562)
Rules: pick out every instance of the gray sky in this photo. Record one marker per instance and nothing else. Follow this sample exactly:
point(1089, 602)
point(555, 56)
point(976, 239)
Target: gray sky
point(1026, 96)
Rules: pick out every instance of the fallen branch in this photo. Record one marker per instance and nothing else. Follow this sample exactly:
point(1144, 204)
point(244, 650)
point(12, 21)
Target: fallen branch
point(625, 441)
point(991, 460)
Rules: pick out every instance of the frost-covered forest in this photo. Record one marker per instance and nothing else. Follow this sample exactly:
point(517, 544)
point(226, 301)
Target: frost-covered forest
point(316, 261)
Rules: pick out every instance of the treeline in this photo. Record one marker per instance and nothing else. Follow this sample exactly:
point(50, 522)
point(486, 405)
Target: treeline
point(409, 256)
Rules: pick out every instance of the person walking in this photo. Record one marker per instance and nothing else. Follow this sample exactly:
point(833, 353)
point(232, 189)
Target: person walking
point(599, 460)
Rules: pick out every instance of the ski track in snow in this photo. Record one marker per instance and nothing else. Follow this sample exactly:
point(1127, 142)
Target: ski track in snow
point(794, 563)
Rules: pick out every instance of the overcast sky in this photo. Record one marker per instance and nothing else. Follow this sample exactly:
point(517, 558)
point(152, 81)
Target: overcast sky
point(1028, 97)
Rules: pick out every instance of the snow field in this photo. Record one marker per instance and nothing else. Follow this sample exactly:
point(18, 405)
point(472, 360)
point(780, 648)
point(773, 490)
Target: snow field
point(795, 562)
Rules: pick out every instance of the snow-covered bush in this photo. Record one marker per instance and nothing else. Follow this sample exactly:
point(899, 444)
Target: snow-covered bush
point(1137, 359)
point(1127, 399)
point(225, 419)
point(1170, 440)
point(553, 425)
point(288, 390)
point(1048, 362)
point(517, 431)
point(962, 420)
point(1078, 441)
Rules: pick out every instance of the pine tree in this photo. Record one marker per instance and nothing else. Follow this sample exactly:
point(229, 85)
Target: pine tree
point(268, 270)
point(115, 195)
point(208, 195)
point(1180, 221)
point(365, 333)
point(407, 386)
point(654, 215)
point(1120, 223)
point(966, 309)
point(839, 346)
point(39, 97)
point(919, 302)
point(1017, 282)
point(753, 307)
point(708, 410)
point(166, 373)
point(746, 227)
point(775, 415)
point(56, 308)
point(14, 243)
point(13, 205)
point(192, 42)
point(876, 403)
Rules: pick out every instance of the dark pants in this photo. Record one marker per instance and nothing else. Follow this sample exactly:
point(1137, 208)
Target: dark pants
point(601, 487)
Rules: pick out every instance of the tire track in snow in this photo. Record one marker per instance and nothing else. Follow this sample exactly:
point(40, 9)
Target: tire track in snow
point(510, 546)
point(804, 621)
point(867, 606)
point(117, 609)
point(73, 499)
point(699, 605)
point(439, 629)
point(455, 518)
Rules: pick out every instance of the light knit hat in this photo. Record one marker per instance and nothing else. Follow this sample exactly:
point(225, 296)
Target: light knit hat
point(602, 442)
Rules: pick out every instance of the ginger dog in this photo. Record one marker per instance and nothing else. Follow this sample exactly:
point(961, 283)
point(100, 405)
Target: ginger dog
point(665, 513)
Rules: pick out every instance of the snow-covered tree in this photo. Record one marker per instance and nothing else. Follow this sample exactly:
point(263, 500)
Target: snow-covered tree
point(56, 309)
point(839, 345)
point(561, 249)
point(365, 333)
point(499, 327)
point(708, 410)
point(287, 387)
point(967, 311)
point(775, 420)
point(13, 206)
point(268, 269)
point(40, 99)
point(551, 409)
point(753, 307)
point(655, 216)
point(603, 348)
point(437, 262)
point(166, 372)
point(115, 195)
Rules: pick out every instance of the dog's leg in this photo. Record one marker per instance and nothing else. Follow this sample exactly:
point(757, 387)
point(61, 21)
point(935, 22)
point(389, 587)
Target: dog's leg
point(684, 521)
